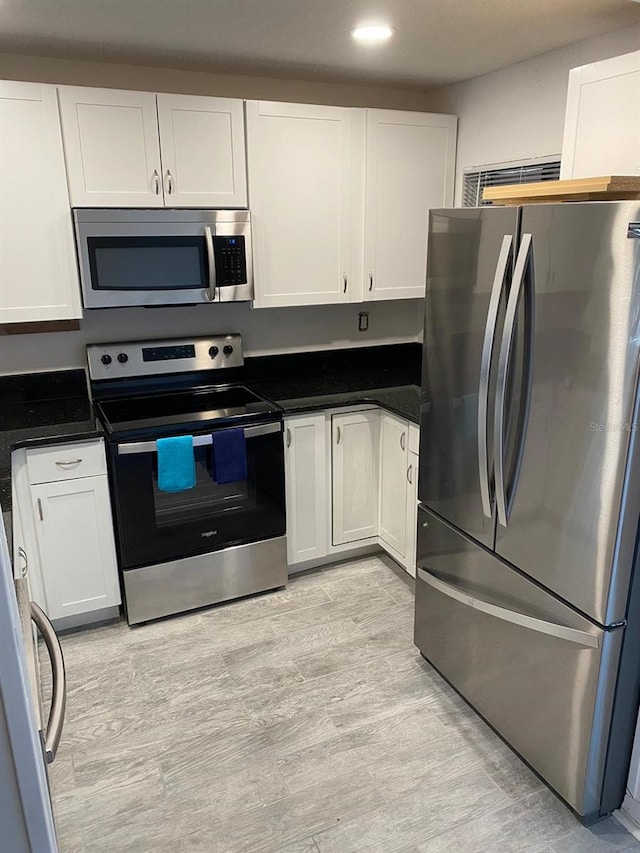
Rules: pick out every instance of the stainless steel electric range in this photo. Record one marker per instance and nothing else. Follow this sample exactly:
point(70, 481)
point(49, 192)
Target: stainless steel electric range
point(210, 543)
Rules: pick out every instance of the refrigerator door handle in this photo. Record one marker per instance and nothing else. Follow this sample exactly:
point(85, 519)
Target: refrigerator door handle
point(562, 632)
point(59, 678)
point(485, 368)
point(506, 348)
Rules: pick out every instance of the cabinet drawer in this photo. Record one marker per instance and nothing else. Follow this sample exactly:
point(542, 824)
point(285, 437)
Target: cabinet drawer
point(66, 461)
point(414, 438)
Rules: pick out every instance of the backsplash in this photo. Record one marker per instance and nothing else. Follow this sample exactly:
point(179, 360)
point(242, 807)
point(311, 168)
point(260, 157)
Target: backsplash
point(265, 331)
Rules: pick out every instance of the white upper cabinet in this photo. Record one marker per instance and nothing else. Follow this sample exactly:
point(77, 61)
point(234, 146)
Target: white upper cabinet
point(602, 121)
point(139, 149)
point(203, 154)
point(410, 163)
point(300, 194)
point(112, 147)
point(38, 273)
point(355, 476)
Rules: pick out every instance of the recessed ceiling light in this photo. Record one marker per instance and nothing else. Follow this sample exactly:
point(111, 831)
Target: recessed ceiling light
point(372, 33)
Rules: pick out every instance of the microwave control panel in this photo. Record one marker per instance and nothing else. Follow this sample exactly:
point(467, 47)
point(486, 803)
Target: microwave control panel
point(231, 260)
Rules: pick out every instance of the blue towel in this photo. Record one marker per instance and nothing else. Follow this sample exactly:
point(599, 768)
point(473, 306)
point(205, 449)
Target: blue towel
point(230, 455)
point(176, 463)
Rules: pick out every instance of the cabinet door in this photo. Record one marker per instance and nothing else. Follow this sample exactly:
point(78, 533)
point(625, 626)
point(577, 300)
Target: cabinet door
point(602, 120)
point(300, 196)
point(203, 154)
point(112, 147)
point(306, 488)
point(412, 513)
point(355, 476)
point(410, 164)
point(77, 551)
point(393, 484)
point(38, 272)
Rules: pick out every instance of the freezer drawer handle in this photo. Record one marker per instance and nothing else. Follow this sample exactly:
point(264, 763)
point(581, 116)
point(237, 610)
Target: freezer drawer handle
point(198, 440)
point(506, 347)
point(59, 678)
point(485, 368)
point(573, 635)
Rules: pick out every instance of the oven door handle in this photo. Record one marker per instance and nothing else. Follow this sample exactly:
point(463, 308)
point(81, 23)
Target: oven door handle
point(198, 440)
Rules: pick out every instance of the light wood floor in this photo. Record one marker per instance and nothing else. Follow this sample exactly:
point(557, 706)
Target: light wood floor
point(302, 721)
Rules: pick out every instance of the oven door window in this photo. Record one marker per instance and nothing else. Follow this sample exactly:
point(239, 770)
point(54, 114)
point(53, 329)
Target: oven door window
point(148, 263)
point(157, 527)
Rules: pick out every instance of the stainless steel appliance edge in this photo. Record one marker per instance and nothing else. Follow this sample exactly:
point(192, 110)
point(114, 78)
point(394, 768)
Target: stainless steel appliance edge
point(168, 588)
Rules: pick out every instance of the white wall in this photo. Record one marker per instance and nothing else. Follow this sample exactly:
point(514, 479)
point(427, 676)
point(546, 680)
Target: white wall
point(517, 113)
point(264, 331)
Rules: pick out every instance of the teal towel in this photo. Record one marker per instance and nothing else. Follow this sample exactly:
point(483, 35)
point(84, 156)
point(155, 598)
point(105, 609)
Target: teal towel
point(176, 463)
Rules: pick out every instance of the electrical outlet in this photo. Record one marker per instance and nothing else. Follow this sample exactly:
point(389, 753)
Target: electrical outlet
point(363, 321)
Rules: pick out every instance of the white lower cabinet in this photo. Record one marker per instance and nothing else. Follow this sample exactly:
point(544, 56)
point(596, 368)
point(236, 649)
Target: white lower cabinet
point(72, 557)
point(355, 476)
point(306, 485)
point(412, 514)
point(352, 482)
point(398, 504)
point(393, 484)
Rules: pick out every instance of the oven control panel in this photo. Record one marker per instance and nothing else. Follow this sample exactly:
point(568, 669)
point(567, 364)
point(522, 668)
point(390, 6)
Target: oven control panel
point(151, 358)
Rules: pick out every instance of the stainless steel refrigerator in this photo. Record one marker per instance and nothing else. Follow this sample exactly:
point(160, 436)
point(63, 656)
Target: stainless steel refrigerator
point(529, 486)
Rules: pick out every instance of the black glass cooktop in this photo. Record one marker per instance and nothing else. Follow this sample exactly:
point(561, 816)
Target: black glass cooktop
point(194, 409)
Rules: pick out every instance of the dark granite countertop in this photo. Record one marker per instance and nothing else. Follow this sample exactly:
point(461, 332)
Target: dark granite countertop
point(387, 376)
point(42, 408)
point(294, 398)
point(50, 408)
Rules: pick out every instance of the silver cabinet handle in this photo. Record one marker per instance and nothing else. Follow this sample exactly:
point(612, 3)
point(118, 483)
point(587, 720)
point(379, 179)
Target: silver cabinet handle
point(370, 281)
point(403, 441)
point(55, 722)
point(208, 238)
point(23, 556)
point(288, 437)
point(485, 367)
point(506, 348)
point(156, 181)
point(573, 635)
point(338, 434)
point(64, 464)
point(40, 510)
point(169, 182)
point(409, 477)
point(344, 281)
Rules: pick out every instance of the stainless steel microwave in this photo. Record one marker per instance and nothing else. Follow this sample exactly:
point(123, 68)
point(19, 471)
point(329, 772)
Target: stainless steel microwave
point(163, 257)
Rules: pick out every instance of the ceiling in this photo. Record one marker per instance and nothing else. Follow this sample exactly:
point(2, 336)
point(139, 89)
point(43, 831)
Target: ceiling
point(436, 42)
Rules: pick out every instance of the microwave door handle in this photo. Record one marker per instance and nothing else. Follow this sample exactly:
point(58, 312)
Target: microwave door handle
point(208, 237)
